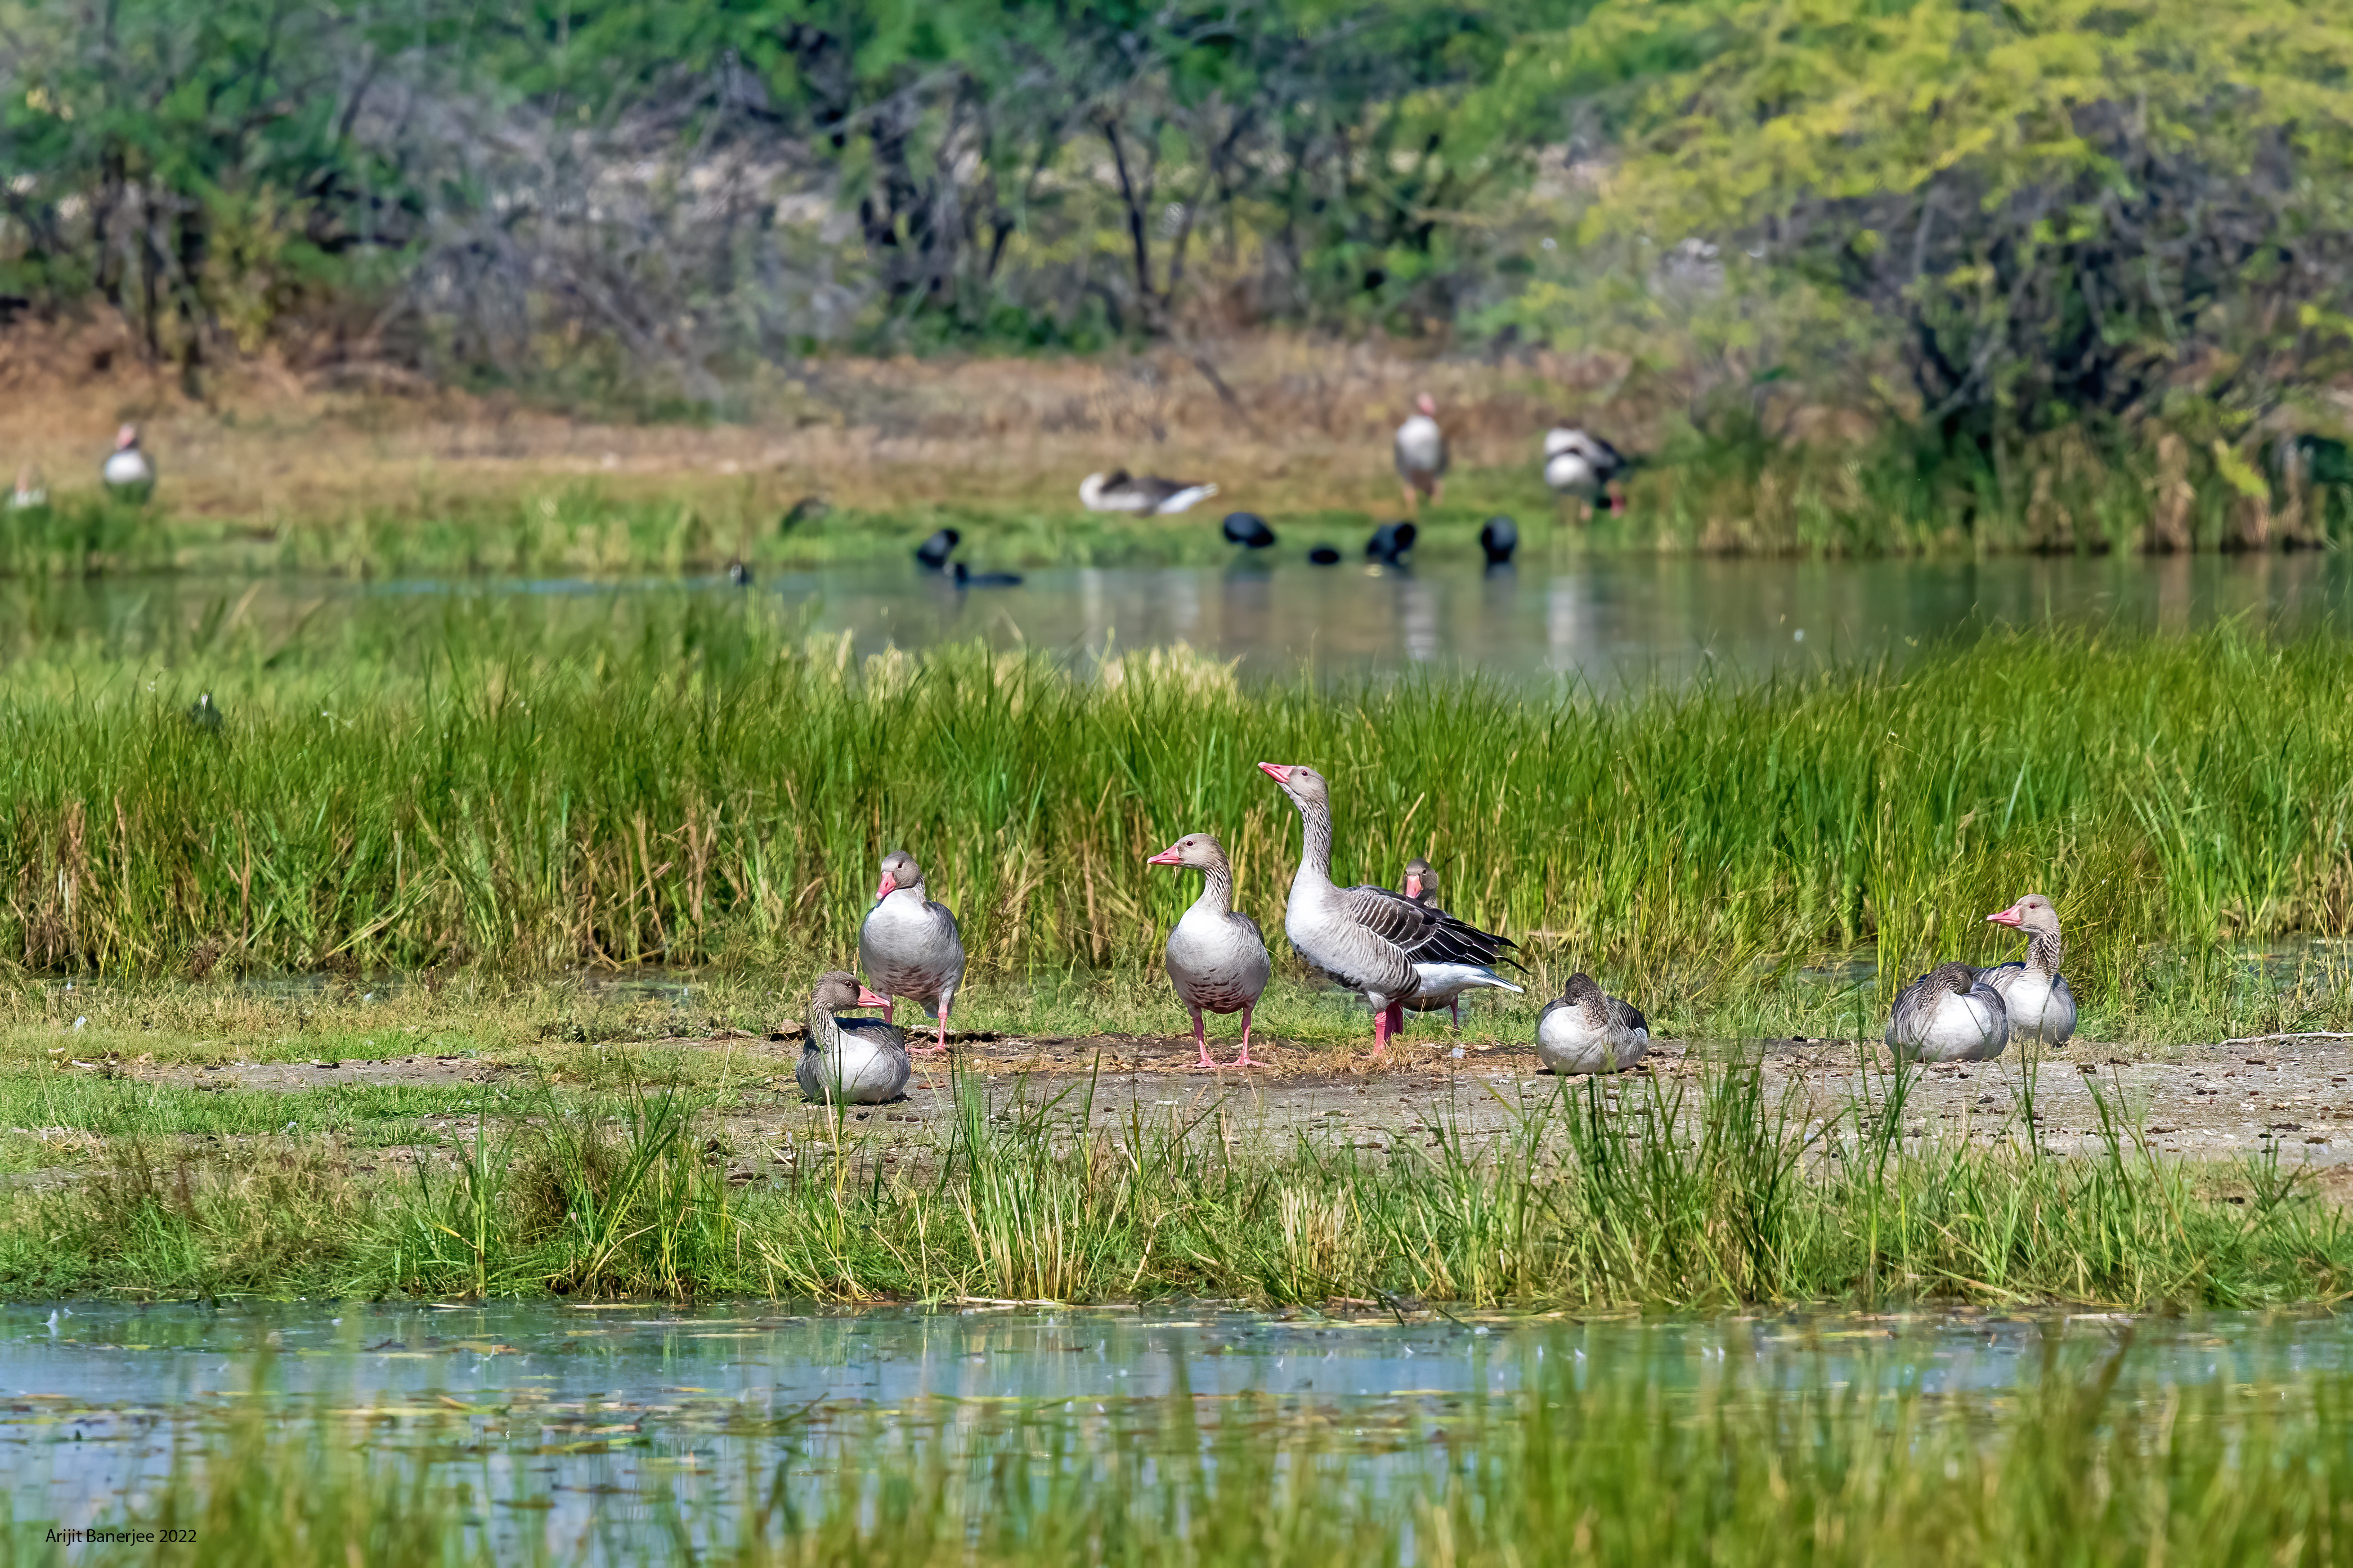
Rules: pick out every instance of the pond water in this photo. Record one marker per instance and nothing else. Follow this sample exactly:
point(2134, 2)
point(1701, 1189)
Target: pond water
point(1602, 619)
point(612, 1411)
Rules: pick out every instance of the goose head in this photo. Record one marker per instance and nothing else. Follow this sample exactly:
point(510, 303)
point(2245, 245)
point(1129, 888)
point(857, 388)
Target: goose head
point(1305, 786)
point(837, 991)
point(2031, 914)
point(1418, 878)
point(1198, 851)
point(1424, 406)
point(1957, 978)
point(1587, 997)
point(126, 437)
point(898, 870)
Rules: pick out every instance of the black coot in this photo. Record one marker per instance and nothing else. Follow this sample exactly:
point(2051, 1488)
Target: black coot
point(1248, 530)
point(932, 554)
point(1389, 543)
point(1324, 555)
point(1499, 539)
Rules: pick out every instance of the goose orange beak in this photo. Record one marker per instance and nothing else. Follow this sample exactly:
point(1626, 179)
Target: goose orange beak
point(868, 999)
point(1167, 857)
point(1279, 772)
point(2006, 917)
point(887, 888)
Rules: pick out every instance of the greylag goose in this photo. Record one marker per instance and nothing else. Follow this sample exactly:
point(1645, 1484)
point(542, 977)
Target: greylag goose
point(909, 947)
point(1445, 983)
point(1248, 530)
point(852, 1061)
point(1421, 453)
point(128, 474)
point(932, 554)
point(1372, 941)
point(1499, 539)
point(1389, 543)
point(29, 491)
point(1217, 959)
point(1587, 1031)
point(1578, 463)
point(2034, 994)
point(1150, 496)
point(1949, 1014)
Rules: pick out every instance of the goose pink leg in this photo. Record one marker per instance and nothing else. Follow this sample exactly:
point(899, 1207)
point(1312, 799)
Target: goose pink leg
point(1202, 1039)
point(1243, 1060)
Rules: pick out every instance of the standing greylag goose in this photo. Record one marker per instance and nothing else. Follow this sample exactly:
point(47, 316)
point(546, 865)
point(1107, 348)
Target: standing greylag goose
point(1372, 941)
point(1150, 496)
point(2034, 994)
point(1443, 984)
point(1421, 453)
point(852, 1061)
point(907, 945)
point(1589, 1031)
point(1949, 1015)
point(1217, 959)
point(1579, 463)
point(128, 474)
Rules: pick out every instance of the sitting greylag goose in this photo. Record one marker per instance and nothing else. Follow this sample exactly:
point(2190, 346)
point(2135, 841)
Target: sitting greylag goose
point(2034, 994)
point(1949, 1014)
point(1589, 1031)
point(1420, 448)
point(850, 1061)
point(128, 474)
point(1149, 496)
point(1372, 940)
point(1578, 463)
point(1217, 959)
point(29, 491)
point(1444, 985)
point(907, 945)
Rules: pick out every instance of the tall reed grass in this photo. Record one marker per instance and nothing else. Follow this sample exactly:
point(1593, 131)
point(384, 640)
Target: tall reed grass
point(698, 785)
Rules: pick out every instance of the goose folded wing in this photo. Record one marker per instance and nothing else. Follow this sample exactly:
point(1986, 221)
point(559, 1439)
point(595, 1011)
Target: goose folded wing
point(1424, 934)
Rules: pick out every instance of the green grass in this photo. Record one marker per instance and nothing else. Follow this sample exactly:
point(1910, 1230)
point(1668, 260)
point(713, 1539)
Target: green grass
point(1620, 1460)
point(490, 787)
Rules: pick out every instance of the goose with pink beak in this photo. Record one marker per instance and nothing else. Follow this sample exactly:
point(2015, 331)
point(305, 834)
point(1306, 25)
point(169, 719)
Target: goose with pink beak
point(1216, 957)
point(850, 1061)
point(2042, 1008)
point(1381, 944)
point(908, 946)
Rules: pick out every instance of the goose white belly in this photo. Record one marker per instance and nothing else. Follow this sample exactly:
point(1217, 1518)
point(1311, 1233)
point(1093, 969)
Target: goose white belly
point(1571, 474)
point(1184, 500)
point(1952, 1028)
point(1420, 446)
point(854, 1071)
point(127, 468)
point(906, 950)
point(1568, 1043)
point(2040, 1007)
point(1437, 985)
point(1215, 964)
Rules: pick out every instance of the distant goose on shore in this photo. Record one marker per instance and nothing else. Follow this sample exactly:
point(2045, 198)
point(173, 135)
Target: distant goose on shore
point(1443, 986)
point(850, 1061)
point(1587, 1030)
point(1390, 542)
point(1378, 943)
point(2035, 995)
point(1149, 496)
point(1580, 464)
point(1248, 530)
point(1215, 958)
point(1949, 1014)
point(909, 945)
point(128, 475)
point(932, 554)
point(1420, 451)
point(1499, 539)
point(967, 578)
point(30, 491)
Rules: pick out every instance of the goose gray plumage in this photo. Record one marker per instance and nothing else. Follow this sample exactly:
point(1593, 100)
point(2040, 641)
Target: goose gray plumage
point(1149, 495)
point(908, 946)
point(1216, 957)
point(1587, 1030)
point(850, 1061)
point(1949, 1015)
point(2042, 1007)
point(1443, 984)
point(128, 474)
point(1420, 448)
point(1581, 464)
point(1377, 942)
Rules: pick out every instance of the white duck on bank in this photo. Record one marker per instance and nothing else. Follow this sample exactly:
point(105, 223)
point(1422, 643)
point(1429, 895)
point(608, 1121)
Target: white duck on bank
point(1420, 448)
point(1949, 1014)
point(1378, 943)
point(908, 946)
point(128, 474)
point(850, 1061)
point(1215, 958)
point(1444, 985)
point(1149, 496)
point(1587, 1031)
point(1580, 464)
point(2041, 1006)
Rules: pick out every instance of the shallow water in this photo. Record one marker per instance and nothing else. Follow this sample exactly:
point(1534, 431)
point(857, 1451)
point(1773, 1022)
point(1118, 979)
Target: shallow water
point(1601, 619)
point(603, 1412)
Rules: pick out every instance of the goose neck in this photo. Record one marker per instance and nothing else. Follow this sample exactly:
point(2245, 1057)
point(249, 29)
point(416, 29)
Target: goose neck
point(824, 1033)
point(1315, 848)
point(1216, 889)
point(2042, 953)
